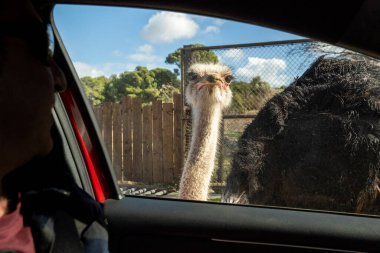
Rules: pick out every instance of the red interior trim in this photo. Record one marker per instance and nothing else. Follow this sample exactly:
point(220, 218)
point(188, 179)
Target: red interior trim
point(89, 153)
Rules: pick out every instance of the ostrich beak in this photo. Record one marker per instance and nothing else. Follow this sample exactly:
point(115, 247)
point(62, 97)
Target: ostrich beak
point(199, 86)
point(223, 85)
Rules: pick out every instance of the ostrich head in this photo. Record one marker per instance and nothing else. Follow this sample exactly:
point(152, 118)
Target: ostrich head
point(209, 85)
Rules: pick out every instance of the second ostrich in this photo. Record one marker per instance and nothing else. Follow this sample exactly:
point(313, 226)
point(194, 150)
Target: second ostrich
point(315, 145)
point(208, 93)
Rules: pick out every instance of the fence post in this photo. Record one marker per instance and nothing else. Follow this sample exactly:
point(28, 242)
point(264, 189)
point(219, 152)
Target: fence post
point(126, 104)
point(137, 140)
point(158, 176)
point(117, 142)
point(178, 143)
point(147, 144)
point(99, 116)
point(167, 126)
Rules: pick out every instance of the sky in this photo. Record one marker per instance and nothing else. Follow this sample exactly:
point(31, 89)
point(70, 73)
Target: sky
point(111, 40)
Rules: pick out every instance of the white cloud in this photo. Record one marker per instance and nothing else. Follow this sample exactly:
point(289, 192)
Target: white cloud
point(270, 70)
point(84, 69)
point(166, 27)
point(145, 53)
point(106, 69)
point(215, 27)
point(114, 68)
point(211, 29)
point(234, 53)
point(145, 49)
point(143, 56)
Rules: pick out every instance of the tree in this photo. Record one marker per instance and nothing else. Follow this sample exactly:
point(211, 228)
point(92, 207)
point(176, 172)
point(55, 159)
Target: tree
point(150, 94)
point(197, 56)
point(167, 91)
point(148, 80)
point(174, 58)
point(250, 96)
point(110, 92)
point(94, 88)
point(259, 85)
point(148, 85)
point(165, 77)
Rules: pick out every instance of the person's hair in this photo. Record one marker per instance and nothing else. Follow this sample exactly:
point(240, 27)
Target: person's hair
point(33, 32)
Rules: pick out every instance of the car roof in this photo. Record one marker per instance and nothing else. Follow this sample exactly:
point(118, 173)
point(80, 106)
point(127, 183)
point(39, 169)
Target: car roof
point(351, 24)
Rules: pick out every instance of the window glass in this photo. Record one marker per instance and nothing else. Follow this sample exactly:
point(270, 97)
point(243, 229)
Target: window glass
point(202, 108)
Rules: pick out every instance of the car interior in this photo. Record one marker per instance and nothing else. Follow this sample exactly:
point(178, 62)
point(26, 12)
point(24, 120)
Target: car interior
point(147, 224)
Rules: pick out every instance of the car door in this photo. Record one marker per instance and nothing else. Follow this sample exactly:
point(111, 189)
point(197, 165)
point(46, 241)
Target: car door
point(167, 224)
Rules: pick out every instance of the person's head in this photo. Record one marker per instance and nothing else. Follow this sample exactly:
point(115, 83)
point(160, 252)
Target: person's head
point(28, 81)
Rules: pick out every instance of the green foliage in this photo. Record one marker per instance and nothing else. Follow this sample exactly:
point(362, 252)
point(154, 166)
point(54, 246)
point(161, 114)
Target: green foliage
point(165, 77)
point(94, 88)
point(197, 56)
point(167, 92)
point(149, 94)
point(148, 85)
point(250, 96)
point(174, 58)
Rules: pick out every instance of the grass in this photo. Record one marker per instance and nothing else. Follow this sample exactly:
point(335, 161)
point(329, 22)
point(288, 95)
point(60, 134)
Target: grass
point(233, 134)
point(218, 199)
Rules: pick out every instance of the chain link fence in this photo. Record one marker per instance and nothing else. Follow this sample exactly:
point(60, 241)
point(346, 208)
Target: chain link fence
point(260, 70)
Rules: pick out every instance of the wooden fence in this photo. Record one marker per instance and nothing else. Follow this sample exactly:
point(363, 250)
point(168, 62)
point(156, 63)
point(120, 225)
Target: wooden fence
point(144, 142)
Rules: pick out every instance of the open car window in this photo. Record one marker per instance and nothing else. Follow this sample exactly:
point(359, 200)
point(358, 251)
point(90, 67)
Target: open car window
point(298, 124)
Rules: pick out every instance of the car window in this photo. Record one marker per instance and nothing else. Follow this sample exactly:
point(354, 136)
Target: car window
point(202, 108)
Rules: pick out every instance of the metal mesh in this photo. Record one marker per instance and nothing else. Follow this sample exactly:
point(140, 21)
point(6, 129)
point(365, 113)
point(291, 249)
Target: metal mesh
point(261, 70)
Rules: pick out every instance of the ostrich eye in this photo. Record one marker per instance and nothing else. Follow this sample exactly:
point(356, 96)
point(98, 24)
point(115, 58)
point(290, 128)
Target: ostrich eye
point(228, 79)
point(192, 76)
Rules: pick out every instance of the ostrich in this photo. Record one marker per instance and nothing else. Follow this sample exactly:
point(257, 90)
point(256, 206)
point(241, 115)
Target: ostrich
point(316, 144)
point(208, 93)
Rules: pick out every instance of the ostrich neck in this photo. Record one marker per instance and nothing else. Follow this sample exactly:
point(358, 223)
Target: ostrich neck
point(205, 132)
point(200, 161)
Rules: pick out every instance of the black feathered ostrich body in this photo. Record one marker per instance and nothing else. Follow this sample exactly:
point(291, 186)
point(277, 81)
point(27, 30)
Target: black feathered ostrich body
point(316, 144)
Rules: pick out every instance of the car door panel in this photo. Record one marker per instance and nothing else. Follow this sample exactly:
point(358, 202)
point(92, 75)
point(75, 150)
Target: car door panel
point(147, 224)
